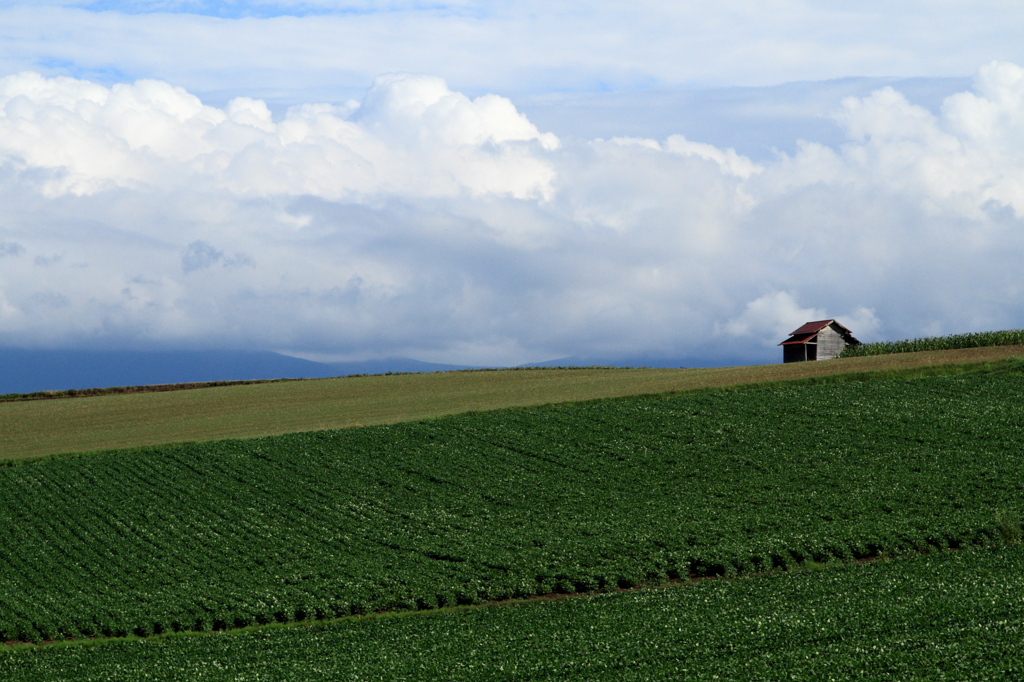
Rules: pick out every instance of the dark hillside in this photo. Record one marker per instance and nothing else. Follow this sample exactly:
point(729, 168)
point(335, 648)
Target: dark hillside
point(28, 371)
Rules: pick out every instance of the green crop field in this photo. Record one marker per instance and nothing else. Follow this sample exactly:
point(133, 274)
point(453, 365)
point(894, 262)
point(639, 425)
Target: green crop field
point(43, 427)
point(582, 496)
point(950, 615)
point(279, 532)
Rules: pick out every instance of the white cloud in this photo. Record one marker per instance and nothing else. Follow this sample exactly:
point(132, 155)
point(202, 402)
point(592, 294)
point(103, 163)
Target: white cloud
point(864, 321)
point(426, 223)
point(772, 317)
point(411, 136)
point(959, 161)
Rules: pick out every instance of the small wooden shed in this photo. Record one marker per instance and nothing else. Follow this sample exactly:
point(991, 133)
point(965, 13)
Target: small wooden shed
point(821, 340)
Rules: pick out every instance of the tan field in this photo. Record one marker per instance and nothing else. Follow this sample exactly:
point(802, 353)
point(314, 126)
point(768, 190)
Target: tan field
point(44, 427)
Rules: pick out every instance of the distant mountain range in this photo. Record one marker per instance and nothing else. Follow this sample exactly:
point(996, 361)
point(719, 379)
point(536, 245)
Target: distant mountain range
point(647, 361)
point(28, 371)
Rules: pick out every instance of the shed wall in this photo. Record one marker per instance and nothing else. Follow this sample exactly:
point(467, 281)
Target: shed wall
point(830, 343)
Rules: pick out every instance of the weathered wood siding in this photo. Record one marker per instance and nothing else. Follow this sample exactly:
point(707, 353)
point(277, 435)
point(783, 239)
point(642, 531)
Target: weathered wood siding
point(830, 343)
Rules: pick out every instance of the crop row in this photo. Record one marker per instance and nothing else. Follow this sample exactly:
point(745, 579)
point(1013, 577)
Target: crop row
point(579, 497)
point(1011, 337)
point(955, 615)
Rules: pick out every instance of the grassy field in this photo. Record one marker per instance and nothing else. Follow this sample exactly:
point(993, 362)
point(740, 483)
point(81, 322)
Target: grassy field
point(44, 427)
point(946, 616)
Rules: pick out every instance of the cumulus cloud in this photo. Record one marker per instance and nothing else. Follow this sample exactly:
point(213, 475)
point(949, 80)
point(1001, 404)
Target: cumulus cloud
point(769, 317)
point(774, 316)
point(410, 136)
point(419, 221)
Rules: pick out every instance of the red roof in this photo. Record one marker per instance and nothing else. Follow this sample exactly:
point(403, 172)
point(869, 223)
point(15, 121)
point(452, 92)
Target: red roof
point(799, 338)
point(815, 327)
point(809, 331)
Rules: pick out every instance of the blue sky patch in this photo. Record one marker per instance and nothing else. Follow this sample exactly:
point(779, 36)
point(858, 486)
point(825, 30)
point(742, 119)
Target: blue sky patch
point(227, 9)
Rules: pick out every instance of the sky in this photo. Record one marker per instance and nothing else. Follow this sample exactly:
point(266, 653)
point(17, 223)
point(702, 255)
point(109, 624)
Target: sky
point(501, 183)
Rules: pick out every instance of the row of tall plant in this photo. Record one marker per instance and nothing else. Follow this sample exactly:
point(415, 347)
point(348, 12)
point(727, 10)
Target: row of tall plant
point(1010, 337)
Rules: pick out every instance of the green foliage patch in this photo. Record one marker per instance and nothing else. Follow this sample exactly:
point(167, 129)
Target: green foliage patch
point(577, 497)
point(952, 615)
point(1011, 337)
